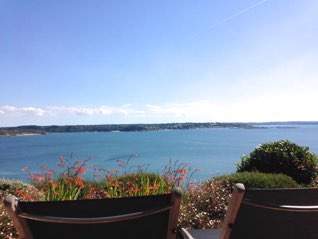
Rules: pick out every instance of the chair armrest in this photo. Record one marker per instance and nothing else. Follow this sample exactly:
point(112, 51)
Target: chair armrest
point(10, 202)
point(186, 234)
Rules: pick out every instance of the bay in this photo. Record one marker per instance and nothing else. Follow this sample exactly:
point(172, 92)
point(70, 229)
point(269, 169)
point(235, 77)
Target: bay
point(214, 151)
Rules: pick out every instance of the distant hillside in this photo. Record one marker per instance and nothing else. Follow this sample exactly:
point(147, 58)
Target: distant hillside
point(33, 129)
point(288, 123)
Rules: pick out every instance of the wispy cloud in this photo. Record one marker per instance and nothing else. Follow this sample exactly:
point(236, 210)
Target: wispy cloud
point(23, 110)
point(103, 110)
point(32, 110)
point(59, 110)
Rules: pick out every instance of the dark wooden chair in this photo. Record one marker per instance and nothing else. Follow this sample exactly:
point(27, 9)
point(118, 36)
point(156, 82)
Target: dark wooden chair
point(145, 217)
point(267, 214)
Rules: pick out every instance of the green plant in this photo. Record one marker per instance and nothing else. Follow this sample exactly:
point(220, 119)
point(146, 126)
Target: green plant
point(136, 181)
point(282, 157)
point(137, 184)
point(124, 181)
point(179, 174)
point(259, 180)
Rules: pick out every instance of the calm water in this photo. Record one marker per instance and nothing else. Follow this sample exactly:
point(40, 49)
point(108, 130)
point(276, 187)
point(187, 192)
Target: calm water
point(214, 151)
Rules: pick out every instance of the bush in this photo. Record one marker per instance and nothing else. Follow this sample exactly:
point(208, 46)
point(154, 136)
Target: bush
point(282, 157)
point(204, 206)
point(259, 180)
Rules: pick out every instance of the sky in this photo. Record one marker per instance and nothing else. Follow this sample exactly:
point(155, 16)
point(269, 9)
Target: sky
point(140, 61)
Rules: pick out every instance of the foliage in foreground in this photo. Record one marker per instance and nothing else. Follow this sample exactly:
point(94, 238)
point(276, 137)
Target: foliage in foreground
point(282, 157)
point(205, 206)
point(259, 180)
point(68, 183)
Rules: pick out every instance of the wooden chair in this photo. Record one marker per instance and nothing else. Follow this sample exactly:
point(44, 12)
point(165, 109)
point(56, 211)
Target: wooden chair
point(132, 217)
point(267, 214)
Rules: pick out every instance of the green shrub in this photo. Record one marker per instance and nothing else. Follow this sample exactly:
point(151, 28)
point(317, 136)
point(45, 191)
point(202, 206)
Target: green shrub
point(259, 180)
point(282, 157)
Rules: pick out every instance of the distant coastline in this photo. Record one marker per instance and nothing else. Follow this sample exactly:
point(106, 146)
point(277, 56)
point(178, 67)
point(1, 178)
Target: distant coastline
point(37, 130)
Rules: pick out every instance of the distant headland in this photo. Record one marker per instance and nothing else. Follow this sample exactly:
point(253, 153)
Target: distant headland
point(34, 129)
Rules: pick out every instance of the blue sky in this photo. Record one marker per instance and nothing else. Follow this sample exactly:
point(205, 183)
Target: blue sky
point(138, 61)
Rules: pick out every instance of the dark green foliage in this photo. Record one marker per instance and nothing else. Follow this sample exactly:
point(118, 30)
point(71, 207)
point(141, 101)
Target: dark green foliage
point(135, 178)
point(282, 157)
point(259, 180)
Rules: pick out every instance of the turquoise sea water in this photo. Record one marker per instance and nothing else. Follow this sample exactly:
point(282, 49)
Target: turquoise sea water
point(214, 151)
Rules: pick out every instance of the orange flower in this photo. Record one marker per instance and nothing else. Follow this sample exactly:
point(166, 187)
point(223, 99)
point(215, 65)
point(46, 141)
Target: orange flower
point(81, 170)
point(79, 181)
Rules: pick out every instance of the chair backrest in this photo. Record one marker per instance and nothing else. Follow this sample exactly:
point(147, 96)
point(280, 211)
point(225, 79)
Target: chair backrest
point(272, 214)
point(131, 217)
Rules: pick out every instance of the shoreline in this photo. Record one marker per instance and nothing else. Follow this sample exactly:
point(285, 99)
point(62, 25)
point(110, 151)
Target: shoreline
point(30, 130)
point(36, 130)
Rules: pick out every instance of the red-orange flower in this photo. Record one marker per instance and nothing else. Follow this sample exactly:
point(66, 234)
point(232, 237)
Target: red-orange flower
point(79, 181)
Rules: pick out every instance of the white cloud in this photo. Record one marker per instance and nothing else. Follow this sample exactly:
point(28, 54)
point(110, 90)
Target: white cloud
point(126, 110)
point(23, 110)
point(7, 108)
point(32, 110)
point(104, 110)
point(78, 110)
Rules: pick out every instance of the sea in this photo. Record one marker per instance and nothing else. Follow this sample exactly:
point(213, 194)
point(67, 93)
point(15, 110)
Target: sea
point(214, 151)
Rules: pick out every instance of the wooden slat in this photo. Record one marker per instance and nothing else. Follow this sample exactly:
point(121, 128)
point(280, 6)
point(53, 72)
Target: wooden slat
point(234, 205)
